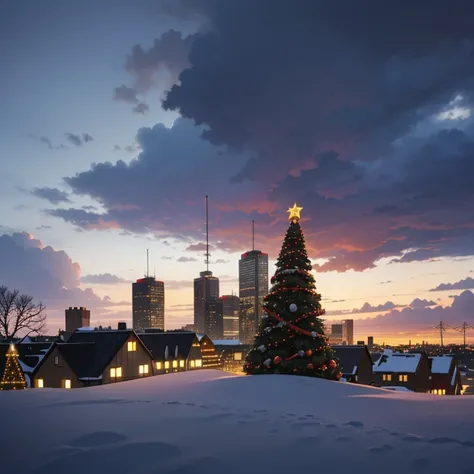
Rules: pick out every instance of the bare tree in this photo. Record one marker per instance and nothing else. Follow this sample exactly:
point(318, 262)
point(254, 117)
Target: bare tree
point(19, 313)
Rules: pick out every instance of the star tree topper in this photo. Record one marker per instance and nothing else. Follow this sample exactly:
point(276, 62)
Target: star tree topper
point(294, 213)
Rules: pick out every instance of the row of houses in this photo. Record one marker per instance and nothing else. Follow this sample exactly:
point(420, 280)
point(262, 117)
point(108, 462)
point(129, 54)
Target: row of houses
point(93, 357)
point(415, 372)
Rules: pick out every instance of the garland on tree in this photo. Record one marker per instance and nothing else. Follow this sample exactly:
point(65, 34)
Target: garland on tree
point(291, 337)
point(13, 378)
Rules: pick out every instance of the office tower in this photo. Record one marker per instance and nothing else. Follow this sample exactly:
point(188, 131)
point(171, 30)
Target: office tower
point(340, 332)
point(370, 343)
point(77, 318)
point(253, 287)
point(230, 308)
point(148, 304)
point(206, 295)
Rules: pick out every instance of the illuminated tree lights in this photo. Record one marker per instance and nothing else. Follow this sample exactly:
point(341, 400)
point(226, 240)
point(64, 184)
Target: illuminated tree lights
point(291, 338)
point(13, 378)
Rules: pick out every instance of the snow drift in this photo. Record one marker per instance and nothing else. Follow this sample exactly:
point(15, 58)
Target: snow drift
point(209, 422)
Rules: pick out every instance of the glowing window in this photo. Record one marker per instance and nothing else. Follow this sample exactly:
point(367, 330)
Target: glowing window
point(175, 364)
point(159, 366)
point(237, 355)
point(143, 369)
point(118, 371)
point(115, 372)
point(132, 346)
point(167, 364)
point(198, 363)
point(67, 383)
point(403, 378)
point(39, 383)
point(387, 377)
point(181, 363)
point(192, 364)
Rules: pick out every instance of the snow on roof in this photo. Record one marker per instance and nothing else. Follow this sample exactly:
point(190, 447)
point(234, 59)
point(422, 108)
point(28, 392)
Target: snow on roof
point(453, 378)
point(397, 362)
point(398, 389)
point(226, 342)
point(91, 378)
point(441, 364)
point(86, 328)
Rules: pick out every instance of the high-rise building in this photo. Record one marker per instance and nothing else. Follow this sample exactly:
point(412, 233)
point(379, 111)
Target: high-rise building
point(215, 320)
point(230, 307)
point(148, 304)
point(206, 294)
point(253, 287)
point(340, 332)
point(77, 318)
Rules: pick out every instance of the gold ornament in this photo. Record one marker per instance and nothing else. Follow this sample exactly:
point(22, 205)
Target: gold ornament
point(294, 213)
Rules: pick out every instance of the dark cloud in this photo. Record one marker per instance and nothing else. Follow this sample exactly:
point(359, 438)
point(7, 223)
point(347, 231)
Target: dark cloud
point(48, 142)
point(465, 284)
point(332, 104)
point(418, 303)
point(53, 195)
point(46, 274)
point(102, 279)
point(126, 94)
point(186, 259)
point(141, 108)
point(459, 311)
point(199, 247)
point(78, 140)
point(116, 148)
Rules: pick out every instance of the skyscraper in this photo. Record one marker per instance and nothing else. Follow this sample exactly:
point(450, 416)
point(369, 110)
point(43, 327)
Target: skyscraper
point(253, 287)
point(148, 304)
point(206, 294)
point(230, 309)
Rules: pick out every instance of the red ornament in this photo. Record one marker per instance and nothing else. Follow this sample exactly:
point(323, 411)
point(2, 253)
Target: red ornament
point(323, 367)
point(277, 360)
point(310, 366)
point(309, 352)
point(332, 364)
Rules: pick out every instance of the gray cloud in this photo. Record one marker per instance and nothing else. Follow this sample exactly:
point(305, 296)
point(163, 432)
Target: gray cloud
point(78, 140)
point(141, 108)
point(126, 94)
point(53, 195)
point(465, 284)
point(186, 259)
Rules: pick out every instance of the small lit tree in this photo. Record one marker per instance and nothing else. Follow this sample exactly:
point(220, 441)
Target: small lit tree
point(13, 378)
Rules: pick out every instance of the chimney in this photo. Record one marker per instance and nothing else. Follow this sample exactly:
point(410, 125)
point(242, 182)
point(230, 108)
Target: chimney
point(122, 326)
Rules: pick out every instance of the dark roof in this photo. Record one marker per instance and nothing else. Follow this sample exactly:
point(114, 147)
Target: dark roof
point(156, 343)
point(107, 344)
point(31, 354)
point(350, 356)
point(80, 357)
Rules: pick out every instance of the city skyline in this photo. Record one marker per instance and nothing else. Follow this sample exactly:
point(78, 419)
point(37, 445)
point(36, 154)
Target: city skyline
point(111, 151)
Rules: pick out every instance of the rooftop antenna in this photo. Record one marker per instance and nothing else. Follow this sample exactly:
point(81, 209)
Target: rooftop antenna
point(147, 262)
point(207, 234)
point(154, 272)
point(253, 235)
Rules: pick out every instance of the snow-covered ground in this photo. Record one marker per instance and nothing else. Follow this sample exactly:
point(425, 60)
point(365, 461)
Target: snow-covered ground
point(209, 422)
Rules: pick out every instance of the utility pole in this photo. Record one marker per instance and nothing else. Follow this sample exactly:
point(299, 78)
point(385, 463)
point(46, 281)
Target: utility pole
point(464, 326)
point(441, 326)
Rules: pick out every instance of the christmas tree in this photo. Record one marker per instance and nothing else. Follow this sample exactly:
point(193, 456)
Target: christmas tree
point(13, 378)
point(291, 337)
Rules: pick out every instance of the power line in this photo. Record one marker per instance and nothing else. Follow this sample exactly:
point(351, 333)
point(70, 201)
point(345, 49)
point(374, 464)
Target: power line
point(442, 328)
point(464, 326)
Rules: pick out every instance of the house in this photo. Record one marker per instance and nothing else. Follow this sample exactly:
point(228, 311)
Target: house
point(210, 358)
point(445, 375)
point(356, 363)
point(231, 354)
point(105, 356)
point(173, 351)
point(409, 370)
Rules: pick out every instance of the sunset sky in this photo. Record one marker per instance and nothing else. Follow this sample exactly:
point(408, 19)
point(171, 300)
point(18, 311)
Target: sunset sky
point(118, 117)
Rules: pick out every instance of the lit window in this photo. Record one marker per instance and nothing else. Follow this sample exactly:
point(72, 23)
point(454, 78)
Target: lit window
point(39, 383)
point(403, 378)
point(132, 346)
point(237, 355)
point(118, 371)
point(143, 369)
point(192, 364)
point(387, 377)
point(198, 363)
point(115, 372)
point(181, 363)
point(158, 366)
point(175, 364)
point(67, 383)
point(167, 364)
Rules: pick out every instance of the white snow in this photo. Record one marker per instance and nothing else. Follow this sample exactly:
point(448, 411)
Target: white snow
point(453, 378)
point(207, 421)
point(397, 362)
point(226, 342)
point(441, 364)
point(85, 379)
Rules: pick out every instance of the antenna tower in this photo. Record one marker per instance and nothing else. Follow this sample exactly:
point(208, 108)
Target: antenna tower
point(147, 264)
point(207, 234)
point(253, 235)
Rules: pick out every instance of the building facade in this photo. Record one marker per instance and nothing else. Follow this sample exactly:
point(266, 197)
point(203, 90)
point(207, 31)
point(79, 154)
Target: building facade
point(253, 287)
point(77, 318)
point(230, 310)
point(148, 304)
point(340, 332)
point(206, 293)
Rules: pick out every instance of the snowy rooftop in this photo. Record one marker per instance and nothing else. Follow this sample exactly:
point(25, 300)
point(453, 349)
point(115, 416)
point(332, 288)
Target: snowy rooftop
point(208, 419)
point(226, 342)
point(397, 362)
point(441, 364)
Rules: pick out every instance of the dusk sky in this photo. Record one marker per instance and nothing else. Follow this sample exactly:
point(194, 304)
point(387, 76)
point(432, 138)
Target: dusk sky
point(118, 117)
